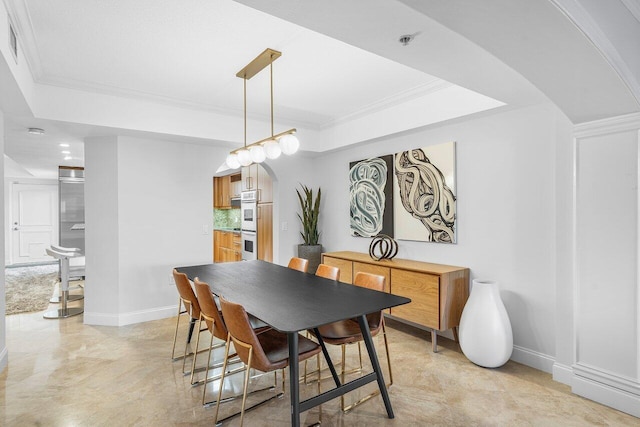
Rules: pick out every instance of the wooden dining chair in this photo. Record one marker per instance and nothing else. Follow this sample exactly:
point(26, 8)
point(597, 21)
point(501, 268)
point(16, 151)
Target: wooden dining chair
point(348, 331)
point(328, 272)
point(187, 298)
point(299, 264)
point(214, 322)
point(266, 352)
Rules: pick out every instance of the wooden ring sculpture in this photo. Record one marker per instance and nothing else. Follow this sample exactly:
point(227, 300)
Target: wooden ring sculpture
point(383, 247)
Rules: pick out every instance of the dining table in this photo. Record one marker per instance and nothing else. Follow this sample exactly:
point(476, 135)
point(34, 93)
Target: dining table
point(291, 301)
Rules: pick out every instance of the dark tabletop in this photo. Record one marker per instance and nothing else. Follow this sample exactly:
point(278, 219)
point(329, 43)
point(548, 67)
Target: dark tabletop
point(287, 299)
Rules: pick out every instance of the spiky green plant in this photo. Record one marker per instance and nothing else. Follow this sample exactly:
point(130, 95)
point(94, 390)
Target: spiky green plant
point(309, 216)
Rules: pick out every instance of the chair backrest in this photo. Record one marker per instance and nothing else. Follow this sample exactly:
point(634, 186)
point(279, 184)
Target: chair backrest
point(210, 309)
point(240, 329)
point(375, 282)
point(299, 264)
point(328, 272)
point(186, 293)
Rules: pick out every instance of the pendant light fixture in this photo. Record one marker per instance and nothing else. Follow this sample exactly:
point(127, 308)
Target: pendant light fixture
point(272, 146)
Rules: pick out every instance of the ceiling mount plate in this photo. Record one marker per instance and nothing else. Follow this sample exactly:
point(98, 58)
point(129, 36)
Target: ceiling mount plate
point(258, 64)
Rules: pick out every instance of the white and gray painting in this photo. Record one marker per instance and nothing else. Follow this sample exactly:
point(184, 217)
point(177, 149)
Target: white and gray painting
point(371, 193)
point(425, 201)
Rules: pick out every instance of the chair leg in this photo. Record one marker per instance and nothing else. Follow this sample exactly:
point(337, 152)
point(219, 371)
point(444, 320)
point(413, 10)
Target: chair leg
point(342, 372)
point(206, 372)
point(175, 335)
point(246, 386)
point(195, 353)
point(224, 369)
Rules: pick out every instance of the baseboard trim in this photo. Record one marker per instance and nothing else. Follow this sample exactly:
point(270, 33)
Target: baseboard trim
point(562, 374)
point(123, 319)
point(4, 359)
point(607, 395)
point(534, 359)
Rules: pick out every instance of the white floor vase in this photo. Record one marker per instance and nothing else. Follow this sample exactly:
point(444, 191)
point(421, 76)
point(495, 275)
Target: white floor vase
point(485, 332)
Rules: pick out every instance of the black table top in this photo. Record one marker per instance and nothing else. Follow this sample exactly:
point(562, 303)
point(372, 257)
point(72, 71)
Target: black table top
point(287, 299)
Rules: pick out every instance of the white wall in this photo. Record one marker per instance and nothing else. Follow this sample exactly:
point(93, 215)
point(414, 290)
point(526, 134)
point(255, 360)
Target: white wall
point(506, 213)
point(146, 204)
point(4, 356)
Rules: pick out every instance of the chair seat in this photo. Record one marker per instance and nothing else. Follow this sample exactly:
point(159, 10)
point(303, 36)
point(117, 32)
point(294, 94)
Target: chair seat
point(276, 348)
point(347, 331)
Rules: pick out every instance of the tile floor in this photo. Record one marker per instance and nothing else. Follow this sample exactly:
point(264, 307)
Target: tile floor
point(65, 373)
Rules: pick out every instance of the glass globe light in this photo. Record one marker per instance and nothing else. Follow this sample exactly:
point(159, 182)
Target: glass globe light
point(289, 144)
point(257, 154)
point(232, 161)
point(244, 157)
point(272, 149)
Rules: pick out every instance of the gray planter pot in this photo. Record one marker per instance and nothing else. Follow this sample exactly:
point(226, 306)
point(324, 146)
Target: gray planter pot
point(313, 253)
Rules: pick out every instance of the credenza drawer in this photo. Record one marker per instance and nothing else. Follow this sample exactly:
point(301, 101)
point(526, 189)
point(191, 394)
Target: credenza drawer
point(345, 266)
point(424, 291)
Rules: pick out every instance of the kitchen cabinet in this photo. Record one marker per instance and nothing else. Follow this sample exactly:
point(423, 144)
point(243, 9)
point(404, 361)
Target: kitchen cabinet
point(255, 177)
point(250, 177)
point(265, 232)
point(227, 246)
point(224, 188)
point(438, 292)
point(265, 186)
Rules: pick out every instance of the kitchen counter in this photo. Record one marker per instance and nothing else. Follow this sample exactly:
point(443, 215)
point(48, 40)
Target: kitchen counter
point(233, 229)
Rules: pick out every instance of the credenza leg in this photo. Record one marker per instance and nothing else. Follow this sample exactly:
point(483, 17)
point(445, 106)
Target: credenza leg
point(434, 340)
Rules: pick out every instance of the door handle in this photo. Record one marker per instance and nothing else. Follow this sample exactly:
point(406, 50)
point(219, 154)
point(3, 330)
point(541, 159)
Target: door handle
point(15, 228)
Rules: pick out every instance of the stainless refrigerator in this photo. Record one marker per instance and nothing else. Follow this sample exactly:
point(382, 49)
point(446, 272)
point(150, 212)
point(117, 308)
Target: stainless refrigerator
point(71, 191)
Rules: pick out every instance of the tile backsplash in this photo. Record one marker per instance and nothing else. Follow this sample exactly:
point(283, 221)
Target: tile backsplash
point(226, 218)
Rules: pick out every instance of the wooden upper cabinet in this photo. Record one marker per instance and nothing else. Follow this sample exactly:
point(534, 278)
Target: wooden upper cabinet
point(265, 187)
point(221, 195)
point(235, 185)
point(250, 177)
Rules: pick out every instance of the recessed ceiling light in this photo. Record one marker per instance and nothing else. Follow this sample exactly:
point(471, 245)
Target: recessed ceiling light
point(67, 157)
point(36, 131)
point(66, 152)
point(63, 145)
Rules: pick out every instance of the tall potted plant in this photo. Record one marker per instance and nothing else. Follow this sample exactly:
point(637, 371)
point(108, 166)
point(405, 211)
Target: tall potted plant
point(310, 208)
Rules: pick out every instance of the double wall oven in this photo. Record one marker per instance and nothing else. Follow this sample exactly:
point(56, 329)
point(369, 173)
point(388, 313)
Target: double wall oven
point(249, 224)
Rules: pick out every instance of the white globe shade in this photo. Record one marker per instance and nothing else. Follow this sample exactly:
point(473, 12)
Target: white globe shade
point(244, 157)
point(232, 161)
point(289, 144)
point(257, 154)
point(272, 149)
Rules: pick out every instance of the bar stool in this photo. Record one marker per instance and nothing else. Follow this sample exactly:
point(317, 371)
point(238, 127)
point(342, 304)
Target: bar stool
point(64, 311)
point(74, 271)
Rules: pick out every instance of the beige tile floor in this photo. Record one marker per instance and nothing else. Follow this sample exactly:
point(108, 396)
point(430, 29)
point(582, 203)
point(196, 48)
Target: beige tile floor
point(65, 373)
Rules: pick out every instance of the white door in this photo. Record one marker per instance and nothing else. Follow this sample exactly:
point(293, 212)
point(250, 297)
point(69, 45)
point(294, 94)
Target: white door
point(34, 221)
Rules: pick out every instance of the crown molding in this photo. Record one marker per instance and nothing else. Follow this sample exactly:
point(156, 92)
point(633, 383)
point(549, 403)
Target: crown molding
point(627, 122)
point(577, 14)
point(390, 101)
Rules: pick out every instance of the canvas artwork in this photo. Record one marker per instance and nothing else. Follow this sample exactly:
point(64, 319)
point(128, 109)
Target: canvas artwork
point(371, 196)
point(425, 194)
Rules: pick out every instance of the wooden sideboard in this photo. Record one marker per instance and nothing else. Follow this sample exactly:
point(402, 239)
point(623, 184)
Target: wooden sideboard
point(438, 292)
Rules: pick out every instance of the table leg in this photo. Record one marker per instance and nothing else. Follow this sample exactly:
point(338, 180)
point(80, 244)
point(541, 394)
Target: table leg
point(368, 341)
point(332, 368)
point(294, 386)
point(434, 341)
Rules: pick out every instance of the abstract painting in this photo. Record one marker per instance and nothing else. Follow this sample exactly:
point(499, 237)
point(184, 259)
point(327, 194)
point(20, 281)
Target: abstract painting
point(371, 196)
point(425, 194)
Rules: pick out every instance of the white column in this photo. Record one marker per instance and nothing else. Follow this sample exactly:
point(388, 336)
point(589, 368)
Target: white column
point(607, 290)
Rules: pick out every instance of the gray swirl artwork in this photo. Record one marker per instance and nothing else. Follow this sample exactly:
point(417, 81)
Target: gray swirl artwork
point(367, 182)
point(425, 195)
